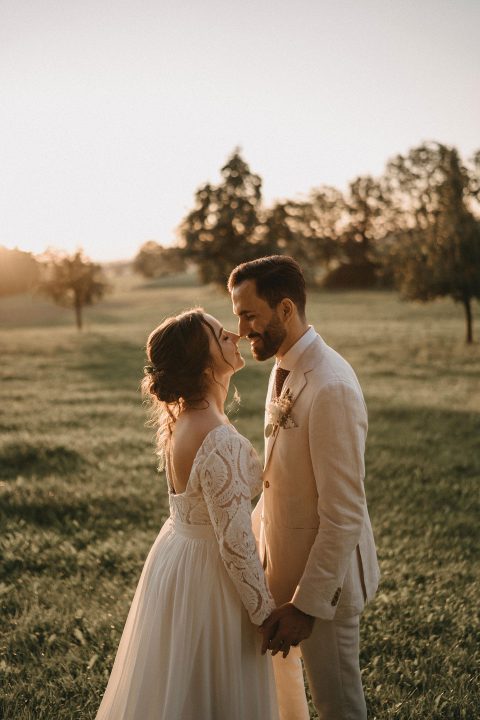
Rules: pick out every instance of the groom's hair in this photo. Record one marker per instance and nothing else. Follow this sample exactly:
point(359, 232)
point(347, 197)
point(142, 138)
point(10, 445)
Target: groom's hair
point(276, 277)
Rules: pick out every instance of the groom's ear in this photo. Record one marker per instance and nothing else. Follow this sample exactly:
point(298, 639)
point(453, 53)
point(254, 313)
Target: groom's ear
point(286, 309)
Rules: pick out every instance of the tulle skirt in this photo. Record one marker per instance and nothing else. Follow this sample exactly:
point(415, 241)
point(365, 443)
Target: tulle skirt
point(188, 649)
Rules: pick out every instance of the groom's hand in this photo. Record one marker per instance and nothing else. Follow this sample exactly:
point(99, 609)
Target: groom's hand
point(286, 626)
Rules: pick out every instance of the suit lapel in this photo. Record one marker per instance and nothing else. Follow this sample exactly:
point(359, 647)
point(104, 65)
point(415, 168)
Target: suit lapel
point(295, 382)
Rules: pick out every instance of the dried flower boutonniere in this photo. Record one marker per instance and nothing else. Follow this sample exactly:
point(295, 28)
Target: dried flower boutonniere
point(279, 413)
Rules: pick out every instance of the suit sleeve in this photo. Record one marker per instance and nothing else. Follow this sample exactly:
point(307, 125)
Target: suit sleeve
point(337, 434)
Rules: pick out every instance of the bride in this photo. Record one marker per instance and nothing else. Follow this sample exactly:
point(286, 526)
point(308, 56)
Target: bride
point(190, 649)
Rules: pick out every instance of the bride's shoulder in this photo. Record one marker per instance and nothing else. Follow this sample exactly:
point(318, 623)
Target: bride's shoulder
point(233, 447)
point(227, 452)
point(225, 439)
point(195, 426)
point(221, 435)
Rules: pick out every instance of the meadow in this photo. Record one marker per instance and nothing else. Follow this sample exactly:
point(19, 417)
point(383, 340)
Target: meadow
point(81, 501)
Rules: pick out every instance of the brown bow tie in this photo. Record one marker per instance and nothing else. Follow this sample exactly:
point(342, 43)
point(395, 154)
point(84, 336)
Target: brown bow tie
point(280, 376)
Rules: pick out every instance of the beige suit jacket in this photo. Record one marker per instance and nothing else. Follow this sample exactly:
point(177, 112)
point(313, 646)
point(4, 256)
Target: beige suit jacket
point(312, 522)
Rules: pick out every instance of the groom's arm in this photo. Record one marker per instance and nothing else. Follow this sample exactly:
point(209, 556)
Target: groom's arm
point(337, 434)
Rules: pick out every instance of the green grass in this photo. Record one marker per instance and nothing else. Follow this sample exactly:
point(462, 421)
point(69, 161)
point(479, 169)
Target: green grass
point(81, 502)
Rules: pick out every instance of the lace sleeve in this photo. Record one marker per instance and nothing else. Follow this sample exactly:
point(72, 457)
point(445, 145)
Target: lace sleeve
point(226, 490)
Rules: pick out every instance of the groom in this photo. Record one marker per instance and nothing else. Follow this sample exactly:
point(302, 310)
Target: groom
point(312, 522)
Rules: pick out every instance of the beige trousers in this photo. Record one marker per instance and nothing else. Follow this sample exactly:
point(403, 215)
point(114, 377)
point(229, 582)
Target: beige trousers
point(330, 656)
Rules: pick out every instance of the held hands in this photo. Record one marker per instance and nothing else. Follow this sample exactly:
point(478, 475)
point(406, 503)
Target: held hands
point(286, 626)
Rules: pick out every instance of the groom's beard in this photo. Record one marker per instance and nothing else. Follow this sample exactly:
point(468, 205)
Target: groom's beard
point(268, 342)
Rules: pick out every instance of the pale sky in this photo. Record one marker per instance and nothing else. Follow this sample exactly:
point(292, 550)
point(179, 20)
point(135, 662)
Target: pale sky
point(114, 112)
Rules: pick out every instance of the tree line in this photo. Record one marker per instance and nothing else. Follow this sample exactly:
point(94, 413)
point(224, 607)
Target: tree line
point(416, 228)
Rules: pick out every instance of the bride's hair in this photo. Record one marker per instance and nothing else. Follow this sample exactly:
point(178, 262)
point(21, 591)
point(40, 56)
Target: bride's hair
point(178, 352)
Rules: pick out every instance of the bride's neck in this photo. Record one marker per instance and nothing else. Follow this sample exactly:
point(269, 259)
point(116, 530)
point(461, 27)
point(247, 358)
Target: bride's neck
point(217, 394)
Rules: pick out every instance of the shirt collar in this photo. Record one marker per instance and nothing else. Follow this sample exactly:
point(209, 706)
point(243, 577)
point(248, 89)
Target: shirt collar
point(292, 356)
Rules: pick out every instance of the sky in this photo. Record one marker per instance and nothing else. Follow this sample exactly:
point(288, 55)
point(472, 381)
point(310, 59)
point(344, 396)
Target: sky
point(114, 112)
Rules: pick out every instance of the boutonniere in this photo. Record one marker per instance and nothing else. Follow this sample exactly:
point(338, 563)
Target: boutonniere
point(279, 413)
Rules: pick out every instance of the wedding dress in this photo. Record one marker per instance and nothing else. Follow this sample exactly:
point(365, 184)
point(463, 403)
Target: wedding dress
point(190, 649)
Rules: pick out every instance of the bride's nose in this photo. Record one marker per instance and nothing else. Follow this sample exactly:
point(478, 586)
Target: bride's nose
point(234, 337)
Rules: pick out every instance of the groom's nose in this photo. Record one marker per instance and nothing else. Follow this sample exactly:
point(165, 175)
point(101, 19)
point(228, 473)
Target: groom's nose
point(243, 327)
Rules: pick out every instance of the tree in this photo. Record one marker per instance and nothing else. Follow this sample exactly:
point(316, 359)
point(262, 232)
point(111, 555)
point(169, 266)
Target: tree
point(18, 272)
point(325, 215)
point(222, 229)
point(72, 281)
point(362, 228)
point(277, 229)
point(307, 230)
point(435, 233)
point(154, 260)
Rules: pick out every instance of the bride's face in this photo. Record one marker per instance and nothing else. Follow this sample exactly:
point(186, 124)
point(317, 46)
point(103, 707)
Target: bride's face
point(224, 348)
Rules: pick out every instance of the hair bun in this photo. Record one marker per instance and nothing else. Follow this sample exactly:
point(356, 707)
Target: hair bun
point(178, 353)
point(162, 386)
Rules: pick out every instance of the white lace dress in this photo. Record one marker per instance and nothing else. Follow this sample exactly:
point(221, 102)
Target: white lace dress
point(190, 649)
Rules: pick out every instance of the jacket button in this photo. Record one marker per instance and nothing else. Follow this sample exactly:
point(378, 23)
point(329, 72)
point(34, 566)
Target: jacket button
point(267, 484)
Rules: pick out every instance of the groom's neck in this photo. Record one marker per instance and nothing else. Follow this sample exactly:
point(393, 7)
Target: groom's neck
point(295, 330)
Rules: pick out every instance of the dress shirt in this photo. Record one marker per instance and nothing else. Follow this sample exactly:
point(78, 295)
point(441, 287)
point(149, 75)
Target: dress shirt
point(291, 357)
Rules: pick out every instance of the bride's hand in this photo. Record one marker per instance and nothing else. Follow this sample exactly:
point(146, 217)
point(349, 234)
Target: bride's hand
point(286, 626)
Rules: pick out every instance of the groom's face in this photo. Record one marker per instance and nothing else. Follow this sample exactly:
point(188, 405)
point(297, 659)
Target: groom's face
point(257, 321)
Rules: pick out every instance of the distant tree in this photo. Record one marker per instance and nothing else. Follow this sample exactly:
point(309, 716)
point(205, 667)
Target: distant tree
point(19, 272)
point(281, 232)
point(307, 230)
point(277, 228)
point(154, 260)
point(362, 227)
point(325, 221)
point(435, 231)
point(475, 176)
point(72, 281)
point(222, 229)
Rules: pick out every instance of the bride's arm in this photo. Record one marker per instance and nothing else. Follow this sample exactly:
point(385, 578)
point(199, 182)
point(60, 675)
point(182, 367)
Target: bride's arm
point(224, 477)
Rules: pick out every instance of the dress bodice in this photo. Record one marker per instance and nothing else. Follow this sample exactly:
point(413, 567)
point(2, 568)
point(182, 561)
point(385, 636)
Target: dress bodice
point(222, 449)
point(225, 475)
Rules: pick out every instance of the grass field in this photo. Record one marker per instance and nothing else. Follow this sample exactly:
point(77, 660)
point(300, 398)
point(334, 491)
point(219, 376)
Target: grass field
point(81, 502)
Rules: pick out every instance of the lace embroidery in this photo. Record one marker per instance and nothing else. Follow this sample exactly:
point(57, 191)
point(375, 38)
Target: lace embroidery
point(228, 497)
point(225, 475)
